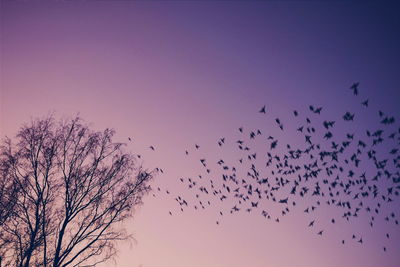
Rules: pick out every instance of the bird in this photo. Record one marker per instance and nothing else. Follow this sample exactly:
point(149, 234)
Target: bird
point(274, 144)
point(348, 116)
point(262, 110)
point(354, 87)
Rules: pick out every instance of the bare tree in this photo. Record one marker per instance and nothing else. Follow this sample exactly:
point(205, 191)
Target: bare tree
point(66, 189)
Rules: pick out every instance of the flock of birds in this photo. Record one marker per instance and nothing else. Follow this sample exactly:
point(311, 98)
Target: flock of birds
point(353, 173)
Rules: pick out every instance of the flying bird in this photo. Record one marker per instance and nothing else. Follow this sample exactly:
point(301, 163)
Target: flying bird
point(354, 87)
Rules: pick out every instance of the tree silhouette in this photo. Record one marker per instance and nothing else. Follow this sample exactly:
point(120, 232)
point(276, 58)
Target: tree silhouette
point(65, 190)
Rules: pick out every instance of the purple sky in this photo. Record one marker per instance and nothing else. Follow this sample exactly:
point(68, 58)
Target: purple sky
point(172, 74)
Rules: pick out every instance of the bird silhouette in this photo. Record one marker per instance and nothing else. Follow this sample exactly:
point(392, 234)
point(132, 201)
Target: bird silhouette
point(354, 87)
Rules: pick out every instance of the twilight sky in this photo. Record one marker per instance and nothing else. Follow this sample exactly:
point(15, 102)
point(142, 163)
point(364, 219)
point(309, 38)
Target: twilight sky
point(172, 74)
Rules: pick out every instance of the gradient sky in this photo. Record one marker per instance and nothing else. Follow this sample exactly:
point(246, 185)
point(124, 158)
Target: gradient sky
point(171, 74)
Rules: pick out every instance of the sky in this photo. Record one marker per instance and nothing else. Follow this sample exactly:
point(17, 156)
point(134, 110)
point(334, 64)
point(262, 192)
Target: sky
point(177, 73)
